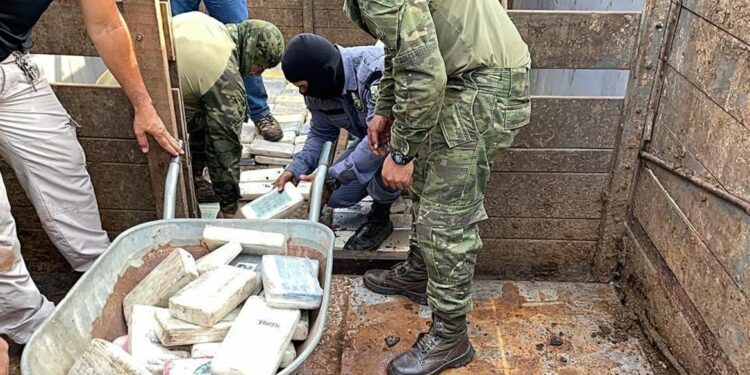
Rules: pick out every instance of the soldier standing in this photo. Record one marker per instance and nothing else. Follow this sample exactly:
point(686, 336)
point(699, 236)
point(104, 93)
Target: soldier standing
point(454, 93)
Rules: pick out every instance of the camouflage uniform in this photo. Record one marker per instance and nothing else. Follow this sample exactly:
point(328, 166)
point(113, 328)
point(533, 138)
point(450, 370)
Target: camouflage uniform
point(215, 114)
point(456, 83)
point(213, 60)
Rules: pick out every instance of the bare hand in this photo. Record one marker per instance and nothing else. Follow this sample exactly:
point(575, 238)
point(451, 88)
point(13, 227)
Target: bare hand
point(379, 134)
point(397, 176)
point(147, 121)
point(283, 179)
point(226, 215)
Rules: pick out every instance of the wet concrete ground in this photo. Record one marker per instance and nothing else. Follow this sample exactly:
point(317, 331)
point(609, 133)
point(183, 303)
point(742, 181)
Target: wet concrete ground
point(516, 327)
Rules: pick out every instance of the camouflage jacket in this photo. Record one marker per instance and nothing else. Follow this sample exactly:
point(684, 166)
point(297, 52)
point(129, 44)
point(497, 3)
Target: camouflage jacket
point(427, 41)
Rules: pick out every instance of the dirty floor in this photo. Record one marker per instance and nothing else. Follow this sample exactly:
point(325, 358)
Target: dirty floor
point(516, 327)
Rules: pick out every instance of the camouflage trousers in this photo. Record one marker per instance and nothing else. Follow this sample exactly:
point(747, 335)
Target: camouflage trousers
point(214, 127)
point(481, 114)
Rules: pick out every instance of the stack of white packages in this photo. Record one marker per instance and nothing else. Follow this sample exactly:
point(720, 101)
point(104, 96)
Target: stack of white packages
point(291, 282)
point(274, 204)
point(205, 317)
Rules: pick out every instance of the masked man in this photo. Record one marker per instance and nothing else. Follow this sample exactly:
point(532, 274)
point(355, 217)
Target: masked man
point(340, 89)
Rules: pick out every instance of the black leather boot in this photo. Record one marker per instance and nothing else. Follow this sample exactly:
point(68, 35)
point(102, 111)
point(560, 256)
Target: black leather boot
point(401, 279)
point(374, 230)
point(446, 345)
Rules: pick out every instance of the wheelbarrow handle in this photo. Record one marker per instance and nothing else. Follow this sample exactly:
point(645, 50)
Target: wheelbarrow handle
point(316, 195)
point(170, 185)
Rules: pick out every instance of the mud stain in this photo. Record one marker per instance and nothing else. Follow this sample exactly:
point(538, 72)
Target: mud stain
point(111, 322)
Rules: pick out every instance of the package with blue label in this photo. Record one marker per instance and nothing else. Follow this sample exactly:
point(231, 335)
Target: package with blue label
point(291, 282)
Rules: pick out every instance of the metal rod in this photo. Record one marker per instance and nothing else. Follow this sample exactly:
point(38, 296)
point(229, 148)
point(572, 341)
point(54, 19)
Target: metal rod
point(690, 176)
point(170, 186)
point(316, 195)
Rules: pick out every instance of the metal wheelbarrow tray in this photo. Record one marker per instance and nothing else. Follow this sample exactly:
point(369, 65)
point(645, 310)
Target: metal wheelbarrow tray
point(93, 307)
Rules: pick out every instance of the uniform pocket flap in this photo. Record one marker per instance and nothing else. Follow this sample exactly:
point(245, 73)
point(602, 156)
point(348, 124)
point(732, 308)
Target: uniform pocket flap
point(516, 116)
point(455, 131)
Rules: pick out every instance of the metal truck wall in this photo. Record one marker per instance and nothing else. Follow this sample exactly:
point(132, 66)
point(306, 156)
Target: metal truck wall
point(688, 242)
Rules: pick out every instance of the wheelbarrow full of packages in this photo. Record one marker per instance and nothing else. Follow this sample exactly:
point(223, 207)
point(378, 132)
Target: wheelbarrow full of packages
point(93, 307)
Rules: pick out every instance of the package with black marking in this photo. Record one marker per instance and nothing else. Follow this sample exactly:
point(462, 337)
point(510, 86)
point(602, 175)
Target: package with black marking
point(291, 282)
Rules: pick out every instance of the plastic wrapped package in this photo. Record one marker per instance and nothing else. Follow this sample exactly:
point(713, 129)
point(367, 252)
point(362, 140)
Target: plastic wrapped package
point(291, 282)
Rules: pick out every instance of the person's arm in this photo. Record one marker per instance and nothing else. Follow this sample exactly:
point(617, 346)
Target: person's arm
point(321, 131)
point(111, 37)
point(414, 73)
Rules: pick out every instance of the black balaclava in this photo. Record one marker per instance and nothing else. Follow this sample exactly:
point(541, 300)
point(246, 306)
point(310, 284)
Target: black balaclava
point(312, 58)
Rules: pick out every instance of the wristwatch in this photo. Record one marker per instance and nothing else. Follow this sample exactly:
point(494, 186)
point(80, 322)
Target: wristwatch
point(332, 183)
point(400, 158)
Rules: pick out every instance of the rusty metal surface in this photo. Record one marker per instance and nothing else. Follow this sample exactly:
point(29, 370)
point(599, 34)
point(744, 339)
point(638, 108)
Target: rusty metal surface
point(511, 327)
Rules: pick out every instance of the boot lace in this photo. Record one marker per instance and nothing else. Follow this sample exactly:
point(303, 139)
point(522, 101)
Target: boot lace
point(265, 122)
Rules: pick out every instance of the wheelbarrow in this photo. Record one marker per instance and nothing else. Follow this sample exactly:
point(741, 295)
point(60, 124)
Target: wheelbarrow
point(86, 311)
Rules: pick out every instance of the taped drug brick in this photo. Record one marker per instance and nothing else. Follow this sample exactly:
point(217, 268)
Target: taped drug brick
point(252, 241)
point(171, 275)
point(274, 204)
point(209, 298)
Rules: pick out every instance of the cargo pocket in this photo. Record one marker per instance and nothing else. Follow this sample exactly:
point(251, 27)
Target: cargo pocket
point(516, 115)
point(456, 130)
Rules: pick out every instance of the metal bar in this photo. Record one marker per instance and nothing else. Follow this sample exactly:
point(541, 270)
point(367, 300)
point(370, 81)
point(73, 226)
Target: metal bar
point(702, 183)
point(316, 195)
point(170, 186)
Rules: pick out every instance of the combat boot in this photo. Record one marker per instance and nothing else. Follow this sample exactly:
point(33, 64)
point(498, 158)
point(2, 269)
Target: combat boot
point(445, 345)
point(401, 279)
point(374, 230)
point(204, 190)
point(269, 128)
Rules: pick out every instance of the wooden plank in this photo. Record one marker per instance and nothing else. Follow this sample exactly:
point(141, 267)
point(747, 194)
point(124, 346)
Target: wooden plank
point(651, 293)
point(40, 254)
point(122, 186)
point(539, 228)
point(551, 195)
point(280, 16)
point(252, 5)
point(715, 62)
point(657, 24)
point(571, 122)
point(716, 139)
point(308, 15)
point(535, 259)
point(724, 228)
point(553, 160)
point(144, 20)
point(61, 31)
point(166, 24)
point(290, 31)
point(730, 15)
point(105, 150)
point(347, 36)
point(112, 220)
point(117, 186)
point(566, 40)
point(101, 111)
point(720, 302)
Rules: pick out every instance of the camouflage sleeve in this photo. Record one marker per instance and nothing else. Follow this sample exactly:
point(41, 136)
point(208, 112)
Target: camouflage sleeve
point(386, 98)
point(225, 108)
point(415, 75)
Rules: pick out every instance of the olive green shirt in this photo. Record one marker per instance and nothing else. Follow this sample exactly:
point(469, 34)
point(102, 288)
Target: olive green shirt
point(203, 49)
point(428, 41)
